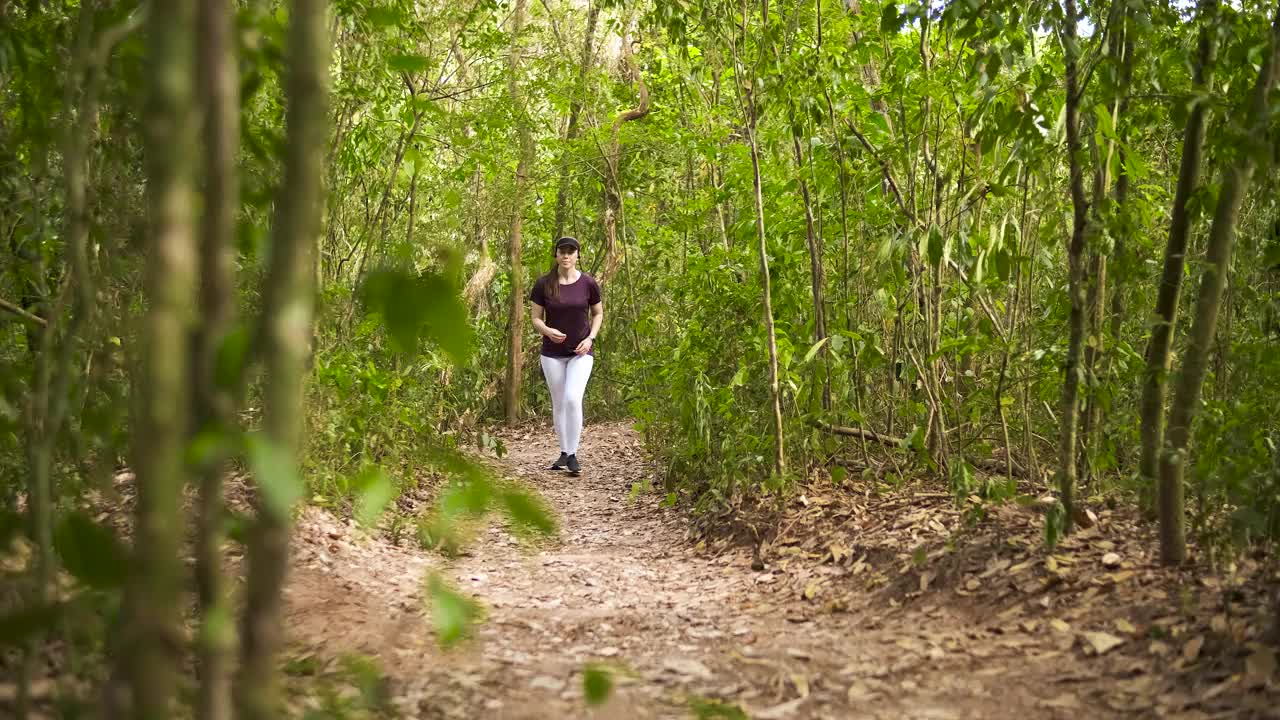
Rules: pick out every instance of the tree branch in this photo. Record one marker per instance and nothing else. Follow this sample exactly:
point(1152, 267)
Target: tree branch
point(16, 310)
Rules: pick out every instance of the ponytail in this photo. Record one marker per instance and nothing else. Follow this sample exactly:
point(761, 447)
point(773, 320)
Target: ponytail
point(550, 282)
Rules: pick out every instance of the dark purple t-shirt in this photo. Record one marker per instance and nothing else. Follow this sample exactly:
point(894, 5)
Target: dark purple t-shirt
point(569, 313)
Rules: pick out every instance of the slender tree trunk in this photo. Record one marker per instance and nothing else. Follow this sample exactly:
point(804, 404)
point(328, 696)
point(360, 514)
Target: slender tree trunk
point(285, 337)
point(815, 267)
point(515, 358)
point(717, 185)
point(163, 390)
point(1186, 400)
point(52, 375)
point(775, 393)
point(1159, 356)
point(1121, 249)
point(613, 182)
point(575, 109)
point(1077, 280)
point(1095, 307)
point(214, 402)
point(1096, 355)
point(1120, 271)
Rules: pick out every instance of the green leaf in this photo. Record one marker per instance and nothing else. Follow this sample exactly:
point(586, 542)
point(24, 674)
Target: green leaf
point(383, 17)
point(528, 512)
point(414, 306)
point(374, 491)
point(468, 497)
point(814, 350)
point(597, 684)
point(408, 63)
point(91, 552)
point(1002, 261)
point(936, 245)
point(838, 474)
point(704, 709)
point(231, 356)
point(208, 446)
point(447, 320)
point(276, 474)
point(1105, 126)
point(452, 613)
point(890, 20)
point(18, 625)
point(1271, 258)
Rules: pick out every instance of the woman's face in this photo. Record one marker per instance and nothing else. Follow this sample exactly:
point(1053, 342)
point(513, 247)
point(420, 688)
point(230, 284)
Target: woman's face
point(566, 258)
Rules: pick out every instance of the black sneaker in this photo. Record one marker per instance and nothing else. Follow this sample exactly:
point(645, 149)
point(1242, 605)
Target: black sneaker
point(573, 465)
point(559, 463)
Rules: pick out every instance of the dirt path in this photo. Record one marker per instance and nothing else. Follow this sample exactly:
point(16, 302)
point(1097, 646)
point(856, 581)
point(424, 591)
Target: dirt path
point(622, 586)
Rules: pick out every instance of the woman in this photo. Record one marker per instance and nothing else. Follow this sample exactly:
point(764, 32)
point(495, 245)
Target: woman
point(567, 311)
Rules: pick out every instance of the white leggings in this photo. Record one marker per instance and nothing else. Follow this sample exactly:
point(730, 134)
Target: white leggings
point(567, 380)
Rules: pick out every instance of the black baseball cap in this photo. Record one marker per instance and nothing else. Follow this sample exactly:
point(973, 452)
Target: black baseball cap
point(567, 241)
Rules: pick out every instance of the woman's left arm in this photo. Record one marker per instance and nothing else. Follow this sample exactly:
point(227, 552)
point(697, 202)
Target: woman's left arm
point(597, 317)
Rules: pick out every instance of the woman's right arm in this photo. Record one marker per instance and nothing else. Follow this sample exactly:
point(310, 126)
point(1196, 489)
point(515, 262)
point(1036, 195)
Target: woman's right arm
point(539, 322)
point(539, 314)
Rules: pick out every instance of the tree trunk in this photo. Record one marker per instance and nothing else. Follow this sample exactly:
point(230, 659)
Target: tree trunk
point(815, 266)
point(515, 358)
point(775, 394)
point(1159, 356)
point(1077, 280)
point(1095, 306)
point(163, 383)
point(51, 376)
point(1121, 249)
point(613, 184)
point(575, 109)
point(285, 337)
point(1186, 401)
point(214, 403)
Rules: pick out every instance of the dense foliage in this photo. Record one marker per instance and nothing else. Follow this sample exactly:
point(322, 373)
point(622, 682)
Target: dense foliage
point(849, 240)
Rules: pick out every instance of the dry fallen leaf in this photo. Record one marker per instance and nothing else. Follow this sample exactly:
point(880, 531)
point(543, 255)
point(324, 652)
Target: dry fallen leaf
point(1059, 625)
point(839, 552)
point(1191, 650)
point(778, 712)
point(1102, 642)
point(811, 590)
point(1111, 560)
point(1125, 626)
point(801, 683)
point(1259, 667)
point(688, 667)
point(1219, 624)
point(544, 682)
point(859, 691)
point(1065, 701)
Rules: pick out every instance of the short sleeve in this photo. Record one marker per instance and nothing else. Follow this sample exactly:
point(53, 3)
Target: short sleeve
point(537, 294)
point(593, 293)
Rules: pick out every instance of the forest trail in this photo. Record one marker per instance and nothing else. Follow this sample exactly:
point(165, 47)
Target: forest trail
point(622, 586)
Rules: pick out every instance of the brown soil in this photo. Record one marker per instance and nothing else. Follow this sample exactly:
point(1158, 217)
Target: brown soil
point(867, 608)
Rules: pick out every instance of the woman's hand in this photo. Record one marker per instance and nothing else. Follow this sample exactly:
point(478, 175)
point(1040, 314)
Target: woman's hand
point(555, 335)
point(584, 347)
